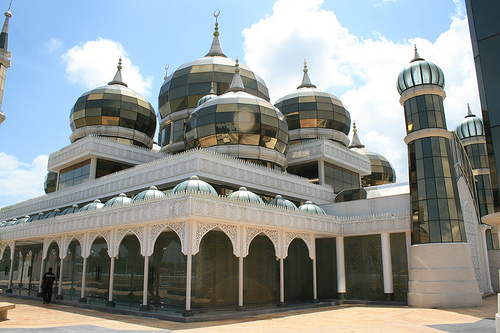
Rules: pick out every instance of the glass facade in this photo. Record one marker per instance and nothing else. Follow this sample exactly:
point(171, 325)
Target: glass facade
point(363, 267)
point(424, 111)
point(167, 272)
point(50, 184)
point(484, 194)
point(485, 34)
point(313, 108)
point(436, 210)
point(129, 271)
point(298, 272)
point(399, 261)
point(74, 175)
point(72, 271)
point(326, 265)
point(381, 169)
point(97, 273)
point(340, 178)
point(106, 167)
point(261, 273)
point(215, 272)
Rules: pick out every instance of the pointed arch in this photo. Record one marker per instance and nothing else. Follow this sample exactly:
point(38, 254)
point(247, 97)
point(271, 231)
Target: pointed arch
point(178, 227)
point(80, 238)
point(231, 231)
point(251, 233)
point(307, 238)
point(48, 241)
point(106, 234)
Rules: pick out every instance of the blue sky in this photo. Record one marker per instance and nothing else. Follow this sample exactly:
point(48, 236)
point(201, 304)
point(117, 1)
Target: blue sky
point(354, 49)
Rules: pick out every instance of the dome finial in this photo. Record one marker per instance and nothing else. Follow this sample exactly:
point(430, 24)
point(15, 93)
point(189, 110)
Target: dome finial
point(8, 12)
point(216, 49)
point(237, 82)
point(118, 76)
point(469, 112)
point(356, 142)
point(306, 82)
point(166, 71)
point(416, 56)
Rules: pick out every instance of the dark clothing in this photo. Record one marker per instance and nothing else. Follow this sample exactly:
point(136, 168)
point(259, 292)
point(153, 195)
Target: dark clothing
point(47, 283)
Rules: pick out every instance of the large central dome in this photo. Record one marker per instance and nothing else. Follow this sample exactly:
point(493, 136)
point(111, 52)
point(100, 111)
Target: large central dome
point(241, 125)
point(181, 91)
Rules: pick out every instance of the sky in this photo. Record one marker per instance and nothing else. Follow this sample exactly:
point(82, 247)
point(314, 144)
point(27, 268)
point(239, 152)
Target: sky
point(354, 50)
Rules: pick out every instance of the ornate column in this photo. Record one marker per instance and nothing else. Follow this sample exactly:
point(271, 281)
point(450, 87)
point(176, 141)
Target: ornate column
point(59, 289)
point(387, 266)
point(240, 284)
point(84, 272)
point(282, 283)
point(110, 301)
point(11, 271)
point(341, 287)
point(190, 240)
point(315, 277)
point(145, 306)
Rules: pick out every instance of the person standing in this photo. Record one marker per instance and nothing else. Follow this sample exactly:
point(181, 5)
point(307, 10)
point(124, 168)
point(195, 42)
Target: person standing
point(47, 283)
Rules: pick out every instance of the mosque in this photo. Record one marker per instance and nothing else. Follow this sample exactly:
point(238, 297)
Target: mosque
point(248, 204)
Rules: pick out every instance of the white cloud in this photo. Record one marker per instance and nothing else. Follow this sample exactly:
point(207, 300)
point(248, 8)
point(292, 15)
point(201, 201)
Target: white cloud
point(382, 3)
point(93, 64)
point(53, 45)
point(21, 181)
point(361, 72)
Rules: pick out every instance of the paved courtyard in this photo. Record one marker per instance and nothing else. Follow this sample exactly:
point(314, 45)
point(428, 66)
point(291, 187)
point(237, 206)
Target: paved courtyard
point(33, 316)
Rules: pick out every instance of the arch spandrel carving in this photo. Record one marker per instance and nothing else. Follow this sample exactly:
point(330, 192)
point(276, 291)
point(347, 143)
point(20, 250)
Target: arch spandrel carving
point(80, 238)
point(106, 234)
point(48, 241)
point(307, 238)
point(3, 247)
point(251, 233)
point(178, 227)
point(231, 231)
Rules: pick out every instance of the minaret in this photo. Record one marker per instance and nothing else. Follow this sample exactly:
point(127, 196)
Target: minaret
point(442, 272)
point(472, 135)
point(4, 57)
point(435, 204)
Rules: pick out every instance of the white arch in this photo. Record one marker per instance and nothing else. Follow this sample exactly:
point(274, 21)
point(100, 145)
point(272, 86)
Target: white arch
point(202, 228)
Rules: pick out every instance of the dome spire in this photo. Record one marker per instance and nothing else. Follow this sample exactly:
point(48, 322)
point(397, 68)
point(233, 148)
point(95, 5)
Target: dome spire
point(417, 56)
point(469, 112)
point(216, 49)
point(5, 29)
point(237, 83)
point(166, 71)
point(118, 76)
point(356, 142)
point(306, 82)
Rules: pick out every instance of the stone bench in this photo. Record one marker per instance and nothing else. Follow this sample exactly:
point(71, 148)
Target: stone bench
point(4, 308)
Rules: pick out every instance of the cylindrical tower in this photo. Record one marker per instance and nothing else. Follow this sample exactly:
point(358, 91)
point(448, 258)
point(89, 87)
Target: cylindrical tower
point(471, 134)
point(436, 211)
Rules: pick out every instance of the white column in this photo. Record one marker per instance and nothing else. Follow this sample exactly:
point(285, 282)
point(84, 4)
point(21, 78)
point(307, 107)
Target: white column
point(111, 282)
point(188, 284)
point(321, 172)
point(240, 284)
point(59, 289)
point(42, 269)
point(315, 281)
point(341, 288)
point(145, 285)
point(84, 272)
point(11, 270)
point(282, 282)
point(387, 266)
point(93, 168)
point(486, 262)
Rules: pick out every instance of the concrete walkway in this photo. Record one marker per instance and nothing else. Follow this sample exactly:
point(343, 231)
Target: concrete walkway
point(33, 316)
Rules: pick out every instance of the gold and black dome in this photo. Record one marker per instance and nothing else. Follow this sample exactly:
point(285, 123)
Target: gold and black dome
point(241, 125)
point(114, 111)
point(312, 113)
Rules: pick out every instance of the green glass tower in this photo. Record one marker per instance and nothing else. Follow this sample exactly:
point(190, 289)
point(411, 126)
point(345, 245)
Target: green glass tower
point(435, 205)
